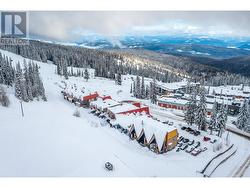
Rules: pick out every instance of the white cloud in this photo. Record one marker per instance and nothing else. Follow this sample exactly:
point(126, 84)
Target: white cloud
point(70, 26)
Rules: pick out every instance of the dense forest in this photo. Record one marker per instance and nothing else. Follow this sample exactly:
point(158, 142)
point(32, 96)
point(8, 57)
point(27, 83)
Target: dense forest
point(163, 67)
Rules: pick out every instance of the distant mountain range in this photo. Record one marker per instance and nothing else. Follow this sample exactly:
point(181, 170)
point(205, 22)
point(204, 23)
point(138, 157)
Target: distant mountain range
point(186, 46)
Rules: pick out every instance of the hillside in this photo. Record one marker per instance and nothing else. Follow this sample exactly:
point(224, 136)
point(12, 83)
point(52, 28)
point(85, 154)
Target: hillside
point(50, 141)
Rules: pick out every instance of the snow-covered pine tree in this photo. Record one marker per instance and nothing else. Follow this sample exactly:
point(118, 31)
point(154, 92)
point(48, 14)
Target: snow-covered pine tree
point(222, 119)
point(24, 90)
point(7, 72)
point(213, 119)
point(188, 87)
point(65, 70)
point(40, 87)
point(86, 74)
point(72, 72)
point(153, 92)
point(28, 84)
point(134, 89)
point(190, 112)
point(18, 84)
point(138, 87)
point(4, 100)
point(147, 92)
point(119, 78)
point(143, 89)
point(201, 111)
point(243, 117)
point(59, 68)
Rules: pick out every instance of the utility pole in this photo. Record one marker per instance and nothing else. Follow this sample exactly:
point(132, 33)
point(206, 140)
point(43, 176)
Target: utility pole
point(227, 139)
point(21, 103)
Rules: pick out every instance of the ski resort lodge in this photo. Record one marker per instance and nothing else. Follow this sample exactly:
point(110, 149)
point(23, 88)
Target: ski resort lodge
point(175, 87)
point(148, 132)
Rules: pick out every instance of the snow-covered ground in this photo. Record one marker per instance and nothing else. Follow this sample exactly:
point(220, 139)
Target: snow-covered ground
point(50, 141)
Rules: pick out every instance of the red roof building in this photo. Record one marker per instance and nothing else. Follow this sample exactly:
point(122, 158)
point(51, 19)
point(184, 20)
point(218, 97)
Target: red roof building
point(90, 97)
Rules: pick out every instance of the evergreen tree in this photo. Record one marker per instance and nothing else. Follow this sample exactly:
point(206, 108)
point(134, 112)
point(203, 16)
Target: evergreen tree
point(18, 84)
point(134, 89)
point(65, 70)
point(190, 112)
point(119, 78)
point(147, 92)
point(86, 74)
point(143, 90)
point(201, 111)
point(213, 120)
point(243, 117)
point(222, 119)
point(138, 87)
point(153, 92)
point(4, 100)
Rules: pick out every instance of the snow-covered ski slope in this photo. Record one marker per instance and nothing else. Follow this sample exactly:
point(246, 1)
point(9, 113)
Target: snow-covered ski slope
point(50, 141)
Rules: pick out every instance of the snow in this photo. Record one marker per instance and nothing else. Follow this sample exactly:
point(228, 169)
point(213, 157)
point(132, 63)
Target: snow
point(124, 107)
point(49, 141)
point(75, 69)
point(150, 126)
point(175, 85)
point(99, 103)
point(230, 90)
point(173, 100)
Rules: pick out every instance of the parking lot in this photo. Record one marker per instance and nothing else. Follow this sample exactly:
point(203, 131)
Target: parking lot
point(194, 142)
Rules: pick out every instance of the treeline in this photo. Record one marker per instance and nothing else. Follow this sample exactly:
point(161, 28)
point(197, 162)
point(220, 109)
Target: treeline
point(63, 70)
point(105, 63)
point(142, 91)
point(27, 81)
point(226, 78)
point(196, 113)
point(163, 67)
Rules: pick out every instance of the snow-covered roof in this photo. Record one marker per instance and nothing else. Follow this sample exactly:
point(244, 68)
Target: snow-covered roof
point(124, 107)
point(175, 85)
point(104, 103)
point(230, 90)
point(173, 100)
point(150, 126)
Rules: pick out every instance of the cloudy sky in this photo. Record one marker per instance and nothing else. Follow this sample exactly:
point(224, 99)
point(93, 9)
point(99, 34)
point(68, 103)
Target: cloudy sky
point(72, 26)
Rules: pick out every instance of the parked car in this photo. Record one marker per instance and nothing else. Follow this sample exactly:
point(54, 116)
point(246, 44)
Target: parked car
point(213, 141)
point(92, 111)
point(102, 116)
point(180, 144)
point(165, 122)
point(183, 128)
point(205, 138)
point(192, 131)
point(185, 140)
point(197, 144)
point(204, 149)
point(109, 166)
point(97, 114)
point(181, 138)
point(189, 150)
point(191, 142)
point(196, 133)
point(196, 152)
point(184, 147)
